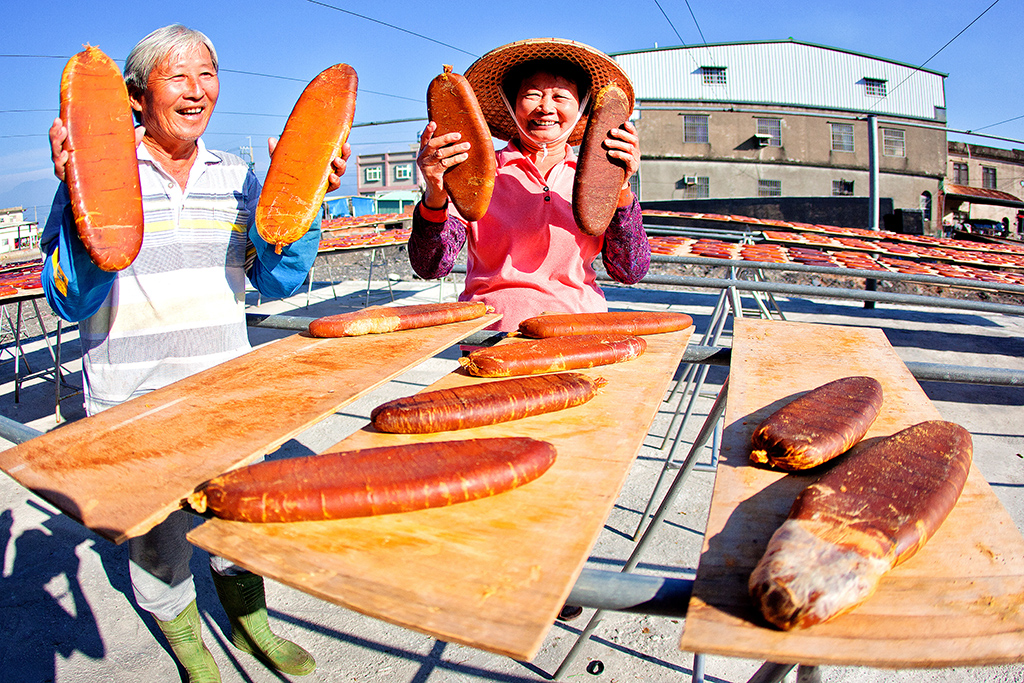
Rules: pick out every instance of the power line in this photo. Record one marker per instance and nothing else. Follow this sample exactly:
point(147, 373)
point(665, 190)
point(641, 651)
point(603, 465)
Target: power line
point(694, 17)
point(993, 125)
point(681, 41)
point(948, 43)
point(233, 71)
point(397, 28)
point(40, 56)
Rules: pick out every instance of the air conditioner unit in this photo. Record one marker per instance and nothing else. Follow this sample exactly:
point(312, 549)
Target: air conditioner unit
point(689, 180)
point(762, 140)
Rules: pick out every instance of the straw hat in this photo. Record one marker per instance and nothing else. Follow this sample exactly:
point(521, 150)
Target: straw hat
point(487, 73)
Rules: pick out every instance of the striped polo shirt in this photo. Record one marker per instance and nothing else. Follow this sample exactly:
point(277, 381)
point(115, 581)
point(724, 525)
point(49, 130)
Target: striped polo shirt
point(180, 307)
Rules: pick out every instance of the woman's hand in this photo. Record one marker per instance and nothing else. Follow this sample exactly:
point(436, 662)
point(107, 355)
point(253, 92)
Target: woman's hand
point(623, 147)
point(437, 155)
point(338, 164)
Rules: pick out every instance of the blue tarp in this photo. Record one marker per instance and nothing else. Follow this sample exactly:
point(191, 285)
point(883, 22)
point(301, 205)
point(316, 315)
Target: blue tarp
point(363, 206)
point(350, 206)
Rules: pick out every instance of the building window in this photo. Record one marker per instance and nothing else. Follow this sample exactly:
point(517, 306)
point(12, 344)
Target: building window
point(926, 205)
point(371, 174)
point(960, 175)
point(769, 188)
point(403, 171)
point(842, 188)
point(695, 187)
point(695, 128)
point(988, 177)
point(842, 137)
point(894, 143)
point(874, 87)
point(713, 75)
point(769, 132)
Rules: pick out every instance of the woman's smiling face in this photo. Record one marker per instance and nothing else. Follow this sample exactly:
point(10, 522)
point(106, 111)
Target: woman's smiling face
point(547, 106)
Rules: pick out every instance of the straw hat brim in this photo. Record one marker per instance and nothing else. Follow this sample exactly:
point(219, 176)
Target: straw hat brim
point(486, 74)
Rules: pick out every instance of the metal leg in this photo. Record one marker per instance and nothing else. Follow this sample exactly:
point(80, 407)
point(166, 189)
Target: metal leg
point(711, 336)
point(18, 354)
point(309, 285)
point(330, 274)
point(808, 674)
point(705, 341)
point(373, 255)
point(698, 667)
point(716, 412)
point(58, 377)
point(771, 673)
point(668, 457)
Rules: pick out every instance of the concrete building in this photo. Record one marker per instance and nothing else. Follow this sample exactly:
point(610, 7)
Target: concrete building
point(984, 184)
point(15, 232)
point(387, 172)
point(787, 119)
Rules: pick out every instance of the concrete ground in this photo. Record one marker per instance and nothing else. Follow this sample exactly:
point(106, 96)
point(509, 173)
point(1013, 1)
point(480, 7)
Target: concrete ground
point(66, 611)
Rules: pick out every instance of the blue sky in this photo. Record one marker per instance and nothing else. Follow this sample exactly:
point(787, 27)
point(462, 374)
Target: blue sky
point(270, 49)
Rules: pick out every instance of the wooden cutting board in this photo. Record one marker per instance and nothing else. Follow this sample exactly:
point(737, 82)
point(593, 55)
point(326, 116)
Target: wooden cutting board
point(491, 573)
point(958, 602)
point(122, 471)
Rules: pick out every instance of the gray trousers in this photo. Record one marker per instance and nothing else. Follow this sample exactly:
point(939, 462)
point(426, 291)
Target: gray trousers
point(159, 567)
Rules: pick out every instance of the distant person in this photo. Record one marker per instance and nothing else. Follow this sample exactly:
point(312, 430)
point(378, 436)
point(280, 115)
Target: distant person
point(526, 255)
point(177, 310)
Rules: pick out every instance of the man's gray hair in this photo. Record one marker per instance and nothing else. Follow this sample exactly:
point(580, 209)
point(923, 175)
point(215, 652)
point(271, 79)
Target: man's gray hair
point(152, 49)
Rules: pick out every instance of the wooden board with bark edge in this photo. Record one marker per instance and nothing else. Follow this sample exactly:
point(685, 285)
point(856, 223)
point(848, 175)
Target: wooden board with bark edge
point(958, 602)
point(491, 573)
point(122, 471)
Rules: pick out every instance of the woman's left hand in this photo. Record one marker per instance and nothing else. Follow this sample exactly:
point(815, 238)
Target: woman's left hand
point(623, 145)
point(338, 164)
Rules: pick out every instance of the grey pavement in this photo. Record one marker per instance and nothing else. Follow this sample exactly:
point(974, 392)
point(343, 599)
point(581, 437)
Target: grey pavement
point(65, 604)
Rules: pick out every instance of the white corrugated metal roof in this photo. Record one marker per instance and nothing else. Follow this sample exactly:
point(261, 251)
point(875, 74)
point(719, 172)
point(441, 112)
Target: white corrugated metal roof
point(786, 73)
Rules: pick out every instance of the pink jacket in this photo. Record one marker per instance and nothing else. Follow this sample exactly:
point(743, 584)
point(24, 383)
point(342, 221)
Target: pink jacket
point(526, 255)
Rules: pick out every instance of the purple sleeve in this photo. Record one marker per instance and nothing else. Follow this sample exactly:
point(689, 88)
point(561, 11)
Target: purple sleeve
point(433, 247)
point(626, 253)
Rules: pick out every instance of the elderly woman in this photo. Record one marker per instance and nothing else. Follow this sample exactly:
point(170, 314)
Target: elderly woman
point(177, 310)
point(526, 254)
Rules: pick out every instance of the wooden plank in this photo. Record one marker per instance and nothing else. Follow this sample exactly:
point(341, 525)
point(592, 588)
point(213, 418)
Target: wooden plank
point(958, 602)
point(491, 573)
point(122, 471)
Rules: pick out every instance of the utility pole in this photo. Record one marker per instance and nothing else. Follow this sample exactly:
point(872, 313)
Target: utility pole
point(246, 153)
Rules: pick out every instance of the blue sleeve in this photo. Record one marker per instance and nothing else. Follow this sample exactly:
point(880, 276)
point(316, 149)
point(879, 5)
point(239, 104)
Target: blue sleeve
point(278, 275)
point(75, 287)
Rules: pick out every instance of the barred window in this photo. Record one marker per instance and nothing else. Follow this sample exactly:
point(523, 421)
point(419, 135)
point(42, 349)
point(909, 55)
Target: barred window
point(874, 87)
point(695, 187)
point(842, 188)
point(960, 174)
point(372, 174)
point(988, 177)
point(769, 188)
point(926, 205)
point(695, 128)
point(842, 137)
point(770, 131)
point(713, 75)
point(894, 142)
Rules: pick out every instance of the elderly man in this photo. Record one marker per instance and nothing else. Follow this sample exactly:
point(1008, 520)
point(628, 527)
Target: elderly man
point(177, 310)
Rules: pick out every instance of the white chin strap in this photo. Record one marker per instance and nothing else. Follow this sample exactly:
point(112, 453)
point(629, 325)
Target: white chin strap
point(543, 145)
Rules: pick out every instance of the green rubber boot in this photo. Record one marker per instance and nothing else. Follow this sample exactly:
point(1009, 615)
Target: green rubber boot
point(245, 602)
point(184, 635)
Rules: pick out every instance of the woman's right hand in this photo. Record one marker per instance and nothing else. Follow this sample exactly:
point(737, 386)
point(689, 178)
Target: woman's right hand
point(437, 155)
